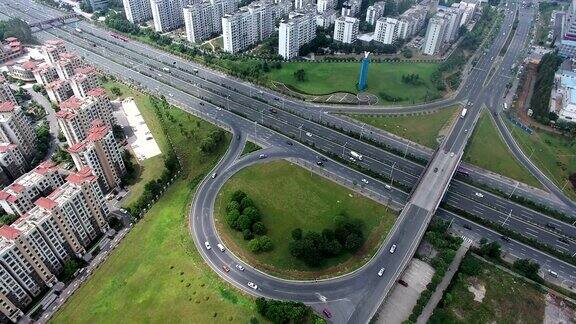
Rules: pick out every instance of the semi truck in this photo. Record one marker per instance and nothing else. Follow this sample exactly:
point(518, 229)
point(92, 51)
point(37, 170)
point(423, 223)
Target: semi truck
point(356, 155)
point(463, 114)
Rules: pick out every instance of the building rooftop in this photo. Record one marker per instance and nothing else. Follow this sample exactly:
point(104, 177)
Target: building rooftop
point(84, 175)
point(8, 232)
point(6, 106)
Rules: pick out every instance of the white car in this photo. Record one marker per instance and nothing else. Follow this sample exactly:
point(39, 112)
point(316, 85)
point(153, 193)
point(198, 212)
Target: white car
point(308, 134)
point(221, 247)
point(381, 272)
point(207, 245)
point(479, 195)
point(365, 181)
point(239, 267)
point(388, 187)
point(393, 248)
point(214, 175)
point(252, 285)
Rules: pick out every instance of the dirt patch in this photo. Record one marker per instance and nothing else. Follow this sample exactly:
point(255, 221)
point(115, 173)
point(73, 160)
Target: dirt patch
point(558, 311)
point(477, 288)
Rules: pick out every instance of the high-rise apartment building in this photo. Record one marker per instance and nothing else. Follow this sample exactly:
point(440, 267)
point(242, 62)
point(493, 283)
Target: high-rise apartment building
point(248, 26)
point(45, 73)
point(205, 18)
point(299, 29)
point(167, 14)
point(15, 128)
point(375, 11)
point(76, 115)
point(67, 64)
point(6, 93)
point(59, 90)
point(324, 5)
point(346, 29)
point(386, 31)
point(100, 152)
point(435, 34)
point(137, 11)
point(326, 19)
point(84, 80)
point(12, 161)
point(52, 50)
point(350, 8)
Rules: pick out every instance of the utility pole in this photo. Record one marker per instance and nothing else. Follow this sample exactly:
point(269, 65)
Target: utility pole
point(516, 186)
point(509, 214)
point(391, 173)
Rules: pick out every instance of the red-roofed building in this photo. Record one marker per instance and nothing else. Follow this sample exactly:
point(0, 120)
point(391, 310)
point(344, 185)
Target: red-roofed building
point(10, 49)
point(100, 152)
point(45, 73)
point(15, 128)
point(67, 64)
point(12, 161)
point(8, 232)
point(52, 50)
point(85, 79)
point(18, 198)
point(59, 90)
point(23, 71)
point(76, 115)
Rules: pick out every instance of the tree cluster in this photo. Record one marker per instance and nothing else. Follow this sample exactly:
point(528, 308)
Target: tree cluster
point(213, 141)
point(300, 75)
point(540, 102)
point(490, 250)
point(412, 78)
point(243, 215)
point(16, 27)
point(313, 247)
point(528, 268)
point(86, 6)
point(42, 143)
point(278, 311)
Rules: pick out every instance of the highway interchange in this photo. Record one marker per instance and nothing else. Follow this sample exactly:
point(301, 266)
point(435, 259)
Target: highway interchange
point(354, 297)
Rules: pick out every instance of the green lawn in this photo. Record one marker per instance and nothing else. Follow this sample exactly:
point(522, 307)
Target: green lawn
point(487, 150)
point(423, 129)
point(507, 299)
point(554, 154)
point(156, 274)
point(151, 168)
point(383, 79)
point(290, 197)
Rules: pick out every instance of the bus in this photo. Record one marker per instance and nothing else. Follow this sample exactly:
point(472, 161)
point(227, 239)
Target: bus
point(120, 37)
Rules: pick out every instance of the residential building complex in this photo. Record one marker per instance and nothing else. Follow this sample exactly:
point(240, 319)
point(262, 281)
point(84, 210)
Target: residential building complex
point(67, 64)
point(388, 29)
point(563, 98)
point(6, 93)
point(59, 90)
point(326, 19)
point(567, 44)
point(324, 5)
point(34, 249)
point(137, 11)
point(346, 29)
point(374, 12)
point(351, 8)
point(100, 152)
point(12, 161)
point(45, 73)
point(299, 29)
point(84, 80)
point(52, 50)
point(23, 71)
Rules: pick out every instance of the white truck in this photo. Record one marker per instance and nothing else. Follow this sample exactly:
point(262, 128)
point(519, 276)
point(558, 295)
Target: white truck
point(166, 69)
point(463, 114)
point(356, 155)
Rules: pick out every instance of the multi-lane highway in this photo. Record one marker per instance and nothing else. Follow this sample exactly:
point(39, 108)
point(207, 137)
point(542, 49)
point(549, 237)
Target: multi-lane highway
point(356, 295)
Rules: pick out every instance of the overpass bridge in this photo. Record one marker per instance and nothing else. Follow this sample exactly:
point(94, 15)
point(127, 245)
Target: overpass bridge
point(41, 25)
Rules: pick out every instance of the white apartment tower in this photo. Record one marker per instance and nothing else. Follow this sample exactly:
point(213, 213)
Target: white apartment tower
point(435, 34)
point(205, 18)
point(137, 11)
point(298, 30)
point(248, 26)
point(324, 5)
point(374, 12)
point(167, 14)
point(52, 50)
point(346, 29)
point(84, 80)
point(386, 31)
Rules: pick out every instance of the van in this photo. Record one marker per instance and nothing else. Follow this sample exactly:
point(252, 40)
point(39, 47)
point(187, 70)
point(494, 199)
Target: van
point(221, 247)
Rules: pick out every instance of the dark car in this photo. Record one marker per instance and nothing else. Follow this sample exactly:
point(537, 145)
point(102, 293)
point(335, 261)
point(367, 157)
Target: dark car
point(327, 312)
point(320, 163)
point(272, 110)
point(505, 238)
point(201, 104)
point(466, 226)
point(289, 143)
point(403, 283)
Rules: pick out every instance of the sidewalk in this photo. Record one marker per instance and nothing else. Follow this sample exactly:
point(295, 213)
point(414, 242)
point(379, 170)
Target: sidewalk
point(437, 296)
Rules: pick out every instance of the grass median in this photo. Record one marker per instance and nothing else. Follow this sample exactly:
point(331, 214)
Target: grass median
point(424, 129)
point(384, 79)
point(156, 274)
point(487, 150)
point(290, 197)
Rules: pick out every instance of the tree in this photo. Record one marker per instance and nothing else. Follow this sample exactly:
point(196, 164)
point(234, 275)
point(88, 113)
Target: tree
point(354, 242)
point(528, 268)
point(259, 228)
point(247, 234)
point(492, 250)
point(471, 266)
point(86, 6)
point(244, 222)
point(260, 244)
point(246, 202)
point(233, 205)
point(116, 91)
point(252, 213)
point(297, 234)
point(238, 195)
point(232, 218)
point(18, 28)
point(300, 75)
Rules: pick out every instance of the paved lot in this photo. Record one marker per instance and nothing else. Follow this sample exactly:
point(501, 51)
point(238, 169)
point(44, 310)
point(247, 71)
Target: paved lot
point(398, 306)
point(141, 139)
